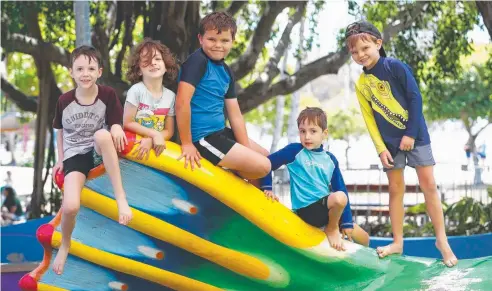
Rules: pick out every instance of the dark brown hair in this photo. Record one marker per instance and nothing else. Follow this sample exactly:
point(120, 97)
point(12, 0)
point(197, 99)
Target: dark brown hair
point(88, 51)
point(219, 21)
point(314, 115)
point(150, 47)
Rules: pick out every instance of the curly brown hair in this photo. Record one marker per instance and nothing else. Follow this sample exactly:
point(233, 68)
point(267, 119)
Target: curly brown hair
point(150, 47)
point(218, 21)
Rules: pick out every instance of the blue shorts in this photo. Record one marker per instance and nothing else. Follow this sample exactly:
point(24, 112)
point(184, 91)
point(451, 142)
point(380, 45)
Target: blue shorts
point(420, 156)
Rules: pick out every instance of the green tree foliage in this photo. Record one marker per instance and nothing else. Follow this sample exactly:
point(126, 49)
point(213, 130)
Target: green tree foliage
point(344, 125)
point(467, 96)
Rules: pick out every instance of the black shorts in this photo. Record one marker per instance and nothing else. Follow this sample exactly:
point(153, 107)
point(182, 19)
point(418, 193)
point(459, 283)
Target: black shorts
point(315, 214)
point(215, 146)
point(82, 163)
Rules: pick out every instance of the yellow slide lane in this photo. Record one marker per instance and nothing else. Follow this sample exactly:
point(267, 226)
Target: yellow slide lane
point(235, 261)
point(272, 217)
point(131, 267)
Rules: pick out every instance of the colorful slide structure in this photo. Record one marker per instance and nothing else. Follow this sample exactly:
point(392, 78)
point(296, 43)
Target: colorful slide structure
point(207, 229)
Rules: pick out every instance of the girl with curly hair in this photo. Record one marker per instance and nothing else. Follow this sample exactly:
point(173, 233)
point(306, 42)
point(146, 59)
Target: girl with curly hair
point(149, 106)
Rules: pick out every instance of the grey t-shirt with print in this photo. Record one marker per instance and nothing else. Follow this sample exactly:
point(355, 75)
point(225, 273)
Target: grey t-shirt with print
point(151, 112)
point(80, 122)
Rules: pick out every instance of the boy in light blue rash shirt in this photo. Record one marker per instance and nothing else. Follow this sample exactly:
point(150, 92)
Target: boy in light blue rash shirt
point(319, 195)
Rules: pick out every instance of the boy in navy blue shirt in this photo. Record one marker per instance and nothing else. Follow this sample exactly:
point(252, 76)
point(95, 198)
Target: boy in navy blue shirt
point(391, 105)
point(206, 86)
point(313, 172)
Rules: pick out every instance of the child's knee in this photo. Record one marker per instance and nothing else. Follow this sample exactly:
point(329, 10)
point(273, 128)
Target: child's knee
point(428, 184)
point(102, 136)
point(265, 168)
point(264, 151)
point(338, 199)
point(396, 187)
point(262, 168)
point(71, 209)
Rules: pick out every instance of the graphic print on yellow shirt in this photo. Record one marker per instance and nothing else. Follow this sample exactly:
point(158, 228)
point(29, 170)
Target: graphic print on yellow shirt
point(391, 105)
point(379, 94)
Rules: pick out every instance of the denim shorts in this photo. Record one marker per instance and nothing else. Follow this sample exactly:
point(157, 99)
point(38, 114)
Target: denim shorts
point(420, 156)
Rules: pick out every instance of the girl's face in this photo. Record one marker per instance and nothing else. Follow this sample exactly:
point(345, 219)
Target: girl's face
point(153, 69)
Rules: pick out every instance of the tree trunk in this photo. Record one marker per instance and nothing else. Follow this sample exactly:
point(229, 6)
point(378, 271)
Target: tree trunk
point(292, 125)
point(82, 23)
point(279, 115)
point(39, 148)
point(485, 9)
point(477, 178)
point(347, 156)
point(48, 96)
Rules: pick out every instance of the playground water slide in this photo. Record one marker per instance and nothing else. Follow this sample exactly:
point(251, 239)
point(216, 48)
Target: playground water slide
point(209, 230)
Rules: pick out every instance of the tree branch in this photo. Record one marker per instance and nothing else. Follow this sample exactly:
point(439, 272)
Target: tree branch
point(261, 90)
point(120, 12)
point(404, 20)
point(283, 44)
point(24, 102)
point(271, 68)
point(235, 6)
point(485, 9)
point(481, 129)
point(33, 46)
point(127, 38)
point(245, 63)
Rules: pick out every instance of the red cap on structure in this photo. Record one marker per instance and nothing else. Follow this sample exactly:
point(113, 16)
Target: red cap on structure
point(131, 138)
point(28, 283)
point(44, 234)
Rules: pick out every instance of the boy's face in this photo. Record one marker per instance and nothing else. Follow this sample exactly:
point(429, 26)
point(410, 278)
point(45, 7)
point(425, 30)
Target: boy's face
point(85, 73)
point(311, 135)
point(216, 46)
point(155, 68)
point(366, 53)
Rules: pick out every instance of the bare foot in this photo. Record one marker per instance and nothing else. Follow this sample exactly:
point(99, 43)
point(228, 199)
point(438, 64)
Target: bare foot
point(60, 259)
point(390, 249)
point(335, 239)
point(124, 211)
point(448, 256)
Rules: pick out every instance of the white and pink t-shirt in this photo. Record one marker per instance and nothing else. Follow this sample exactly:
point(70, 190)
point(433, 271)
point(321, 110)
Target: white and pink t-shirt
point(151, 112)
point(80, 122)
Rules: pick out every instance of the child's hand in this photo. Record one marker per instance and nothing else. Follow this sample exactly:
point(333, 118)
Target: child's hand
point(119, 137)
point(144, 148)
point(348, 232)
point(269, 194)
point(159, 143)
point(58, 167)
point(191, 155)
point(386, 159)
point(407, 143)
